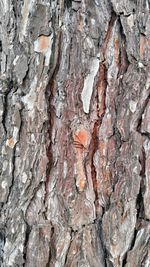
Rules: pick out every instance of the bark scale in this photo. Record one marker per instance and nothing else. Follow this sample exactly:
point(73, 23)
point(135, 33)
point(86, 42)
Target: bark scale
point(74, 133)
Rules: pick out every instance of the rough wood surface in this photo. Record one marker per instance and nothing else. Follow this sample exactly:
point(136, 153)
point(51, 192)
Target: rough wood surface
point(74, 133)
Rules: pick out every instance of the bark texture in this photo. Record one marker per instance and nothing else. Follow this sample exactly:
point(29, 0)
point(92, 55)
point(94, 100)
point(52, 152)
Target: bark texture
point(74, 133)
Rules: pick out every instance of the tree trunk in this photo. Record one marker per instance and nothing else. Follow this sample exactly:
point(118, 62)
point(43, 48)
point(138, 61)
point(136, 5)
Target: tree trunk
point(74, 133)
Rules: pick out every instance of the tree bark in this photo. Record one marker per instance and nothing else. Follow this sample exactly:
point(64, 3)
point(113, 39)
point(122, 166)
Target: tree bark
point(74, 133)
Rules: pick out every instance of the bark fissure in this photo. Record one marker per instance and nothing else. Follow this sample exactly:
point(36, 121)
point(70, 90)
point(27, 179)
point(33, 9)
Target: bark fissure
point(49, 95)
point(12, 179)
point(27, 234)
point(75, 134)
point(93, 169)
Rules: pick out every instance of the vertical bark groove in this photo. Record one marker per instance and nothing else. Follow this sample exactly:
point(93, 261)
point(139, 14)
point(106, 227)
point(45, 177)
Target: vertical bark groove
point(74, 133)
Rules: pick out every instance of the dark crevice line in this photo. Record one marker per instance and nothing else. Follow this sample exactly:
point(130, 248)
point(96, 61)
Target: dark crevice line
point(49, 97)
point(13, 177)
point(145, 258)
point(108, 33)
point(140, 199)
point(51, 246)
point(101, 85)
point(139, 205)
point(123, 67)
point(4, 113)
point(2, 244)
point(9, 85)
point(141, 115)
point(67, 253)
point(93, 169)
point(4, 117)
point(106, 254)
point(123, 57)
point(49, 257)
point(28, 231)
point(124, 262)
point(146, 134)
